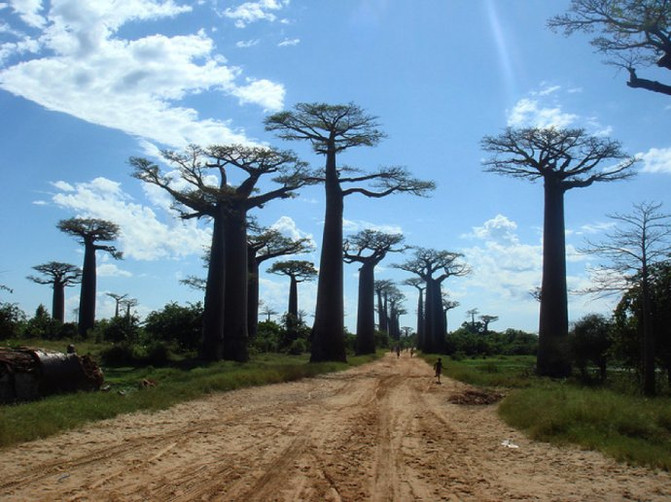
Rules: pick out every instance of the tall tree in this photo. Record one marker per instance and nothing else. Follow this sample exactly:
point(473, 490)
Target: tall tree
point(298, 271)
point(59, 276)
point(447, 306)
point(117, 301)
point(262, 245)
point(382, 289)
point(420, 285)
point(396, 310)
point(641, 240)
point(487, 320)
point(426, 264)
point(90, 232)
point(332, 129)
point(225, 311)
point(368, 247)
point(563, 159)
point(632, 33)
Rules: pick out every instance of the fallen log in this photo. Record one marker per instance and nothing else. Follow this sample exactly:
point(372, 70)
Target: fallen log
point(28, 373)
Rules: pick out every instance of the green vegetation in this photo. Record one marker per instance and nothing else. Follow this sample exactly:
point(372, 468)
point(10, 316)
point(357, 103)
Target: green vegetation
point(167, 386)
point(617, 422)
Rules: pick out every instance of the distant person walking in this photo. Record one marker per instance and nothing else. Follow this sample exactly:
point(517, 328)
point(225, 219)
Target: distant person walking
point(398, 351)
point(438, 366)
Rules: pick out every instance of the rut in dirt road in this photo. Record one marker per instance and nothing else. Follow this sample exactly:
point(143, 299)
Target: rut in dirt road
point(382, 432)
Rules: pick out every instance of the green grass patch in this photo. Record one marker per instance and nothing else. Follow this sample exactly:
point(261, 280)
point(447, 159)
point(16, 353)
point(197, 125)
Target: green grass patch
point(39, 419)
point(628, 428)
point(620, 424)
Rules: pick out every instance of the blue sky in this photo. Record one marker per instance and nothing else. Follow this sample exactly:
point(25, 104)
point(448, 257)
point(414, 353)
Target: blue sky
point(86, 84)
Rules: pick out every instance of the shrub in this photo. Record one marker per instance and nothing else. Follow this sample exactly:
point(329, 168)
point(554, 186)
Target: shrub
point(178, 324)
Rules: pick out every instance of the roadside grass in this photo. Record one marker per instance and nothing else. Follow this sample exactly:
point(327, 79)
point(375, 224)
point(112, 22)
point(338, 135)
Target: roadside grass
point(625, 426)
point(35, 420)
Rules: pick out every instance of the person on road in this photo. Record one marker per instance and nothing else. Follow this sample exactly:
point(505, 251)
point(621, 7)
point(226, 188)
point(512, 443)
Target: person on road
point(438, 366)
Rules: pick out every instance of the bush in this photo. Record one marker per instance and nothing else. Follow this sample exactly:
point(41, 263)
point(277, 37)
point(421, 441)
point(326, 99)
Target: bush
point(11, 320)
point(174, 323)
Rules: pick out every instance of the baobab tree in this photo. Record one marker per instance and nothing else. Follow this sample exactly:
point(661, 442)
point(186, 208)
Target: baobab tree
point(368, 247)
point(564, 159)
point(59, 276)
point(641, 241)
point(382, 289)
point(486, 320)
point(420, 285)
point(117, 301)
point(298, 271)
point(332, 129)
point(632, 33)
point(472, 313)
point(426, 264)
point(262, 245)
point(225, 308)
point(447, 306)
point(90, 232)
point(395, 300)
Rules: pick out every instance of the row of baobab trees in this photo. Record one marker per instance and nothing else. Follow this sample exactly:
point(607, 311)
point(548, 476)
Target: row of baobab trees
point(563, 159)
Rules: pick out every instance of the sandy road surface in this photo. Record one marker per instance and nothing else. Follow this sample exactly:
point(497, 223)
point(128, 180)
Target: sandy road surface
point(381, 432)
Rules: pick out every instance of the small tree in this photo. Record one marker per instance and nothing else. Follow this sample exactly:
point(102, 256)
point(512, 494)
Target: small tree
point(332, 129)
point(590, 342)
point(59, 276)
point(90, 232)
point(262, 245)
point(297, 271)
point(632, 33)
point(426, 264)
point(117, 301)
point(368, 247)
point(564, 159)
point(641, 240)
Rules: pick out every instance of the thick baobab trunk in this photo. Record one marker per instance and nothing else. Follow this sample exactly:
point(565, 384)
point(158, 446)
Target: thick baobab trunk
point(87, 297)
point(293, 297)
point(365, 322)
point(553, 355)
point(252, 295)
point(420, 318)
point(328, 332)
point(381, 313)
point(434, 339)
point(213, 310)
point(235, 306)
point(58, 302)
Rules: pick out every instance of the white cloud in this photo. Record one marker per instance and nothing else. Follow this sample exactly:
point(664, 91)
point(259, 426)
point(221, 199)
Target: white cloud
point(29, 11)
point(500, 263)
point(499, 229)
point(263, 92)
point(243, 44)
point(531, 113)
point(250, 12)
point(143, 236)
point(656, 160)
point(287, 226)
point(289, 42)
point(134, 85)
point(111, 270)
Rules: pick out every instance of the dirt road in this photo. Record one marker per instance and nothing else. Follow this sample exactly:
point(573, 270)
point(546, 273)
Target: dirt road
point(381, 432)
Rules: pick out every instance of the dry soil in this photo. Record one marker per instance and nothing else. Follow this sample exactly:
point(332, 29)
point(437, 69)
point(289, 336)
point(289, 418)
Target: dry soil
point(382, 432)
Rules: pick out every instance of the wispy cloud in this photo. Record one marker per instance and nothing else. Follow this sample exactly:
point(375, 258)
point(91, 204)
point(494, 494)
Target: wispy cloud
point(251, 12)
point(135, 85)
point(543, 108)
point(289, 42)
